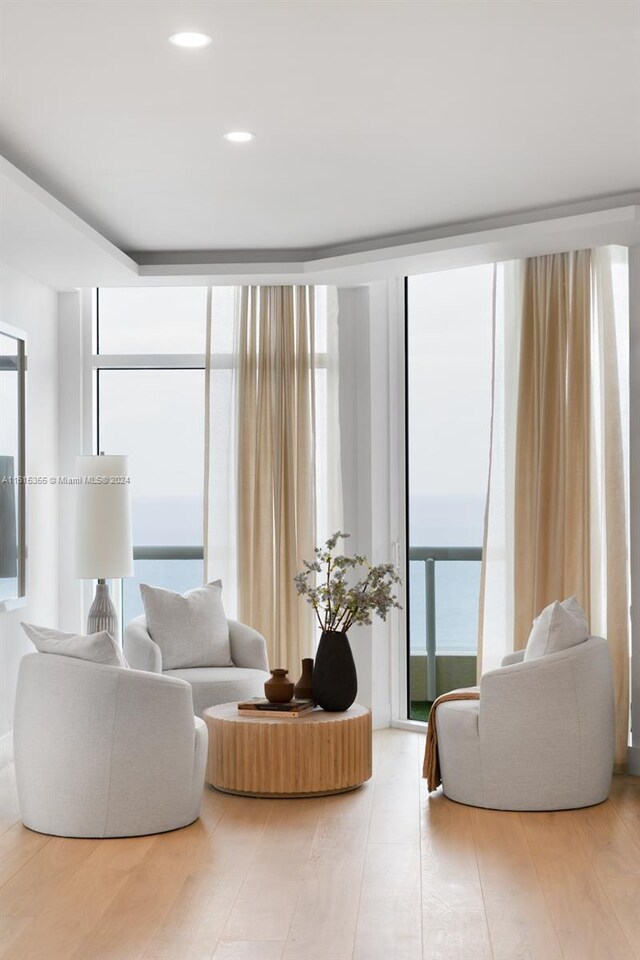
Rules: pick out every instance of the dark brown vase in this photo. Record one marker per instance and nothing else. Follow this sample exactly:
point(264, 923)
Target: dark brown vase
point(303, 689)
point(335, 682)
point(278, 689)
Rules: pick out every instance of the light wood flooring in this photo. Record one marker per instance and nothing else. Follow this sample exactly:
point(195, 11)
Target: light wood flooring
point(383, 873)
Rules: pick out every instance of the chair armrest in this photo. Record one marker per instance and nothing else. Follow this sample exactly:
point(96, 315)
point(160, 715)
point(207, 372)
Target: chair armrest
point(248, 647)
point(154, 713)
point(529, 704)
point(140, 651)
point(516, 657)
point(520, 678)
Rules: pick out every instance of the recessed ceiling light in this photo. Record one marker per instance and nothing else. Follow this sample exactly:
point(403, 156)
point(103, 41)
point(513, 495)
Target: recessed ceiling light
point(239, 136)
point(190, 40)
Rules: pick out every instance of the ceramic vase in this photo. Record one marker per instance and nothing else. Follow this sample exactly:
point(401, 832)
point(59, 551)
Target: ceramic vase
point(303, 689)
point(335, 683)
point(278, 688)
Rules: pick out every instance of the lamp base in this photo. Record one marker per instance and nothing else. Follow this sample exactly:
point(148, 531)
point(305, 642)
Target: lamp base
point(103, 614)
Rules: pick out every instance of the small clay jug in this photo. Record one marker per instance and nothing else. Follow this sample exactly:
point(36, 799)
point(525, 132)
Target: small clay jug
point(278, 689)
point(303, 689)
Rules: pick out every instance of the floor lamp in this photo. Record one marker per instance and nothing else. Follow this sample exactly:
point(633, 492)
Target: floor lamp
point(103, 532)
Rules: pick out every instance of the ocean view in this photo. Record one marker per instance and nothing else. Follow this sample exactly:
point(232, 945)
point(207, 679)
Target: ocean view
point(446, 522)
point(434, 522)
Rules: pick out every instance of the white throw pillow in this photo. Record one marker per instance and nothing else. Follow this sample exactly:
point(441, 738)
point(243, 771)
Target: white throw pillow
point(96, 647)
point(191, 629)
point(559, 626)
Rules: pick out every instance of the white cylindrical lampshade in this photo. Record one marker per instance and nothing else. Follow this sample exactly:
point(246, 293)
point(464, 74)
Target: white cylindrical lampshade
point(103, 518)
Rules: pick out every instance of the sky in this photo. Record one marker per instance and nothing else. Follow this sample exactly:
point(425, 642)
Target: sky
point(449, 347)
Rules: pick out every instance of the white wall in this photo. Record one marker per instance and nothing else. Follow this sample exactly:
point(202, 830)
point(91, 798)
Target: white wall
point(75, 437)
point(28, 305)
point(634, 500)
point(354, 347)
point(372, 445)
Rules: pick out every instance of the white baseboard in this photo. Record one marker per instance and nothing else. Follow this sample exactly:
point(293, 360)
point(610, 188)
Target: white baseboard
point(633, 761)
point(418, 726)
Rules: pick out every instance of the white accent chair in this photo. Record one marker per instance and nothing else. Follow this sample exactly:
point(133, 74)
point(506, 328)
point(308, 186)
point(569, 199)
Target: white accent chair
point(210, 685)
point(541, 736)
point(103, 751)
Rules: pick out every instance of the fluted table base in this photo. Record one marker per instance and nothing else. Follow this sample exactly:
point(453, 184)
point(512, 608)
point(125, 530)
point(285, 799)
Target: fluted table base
point(315, 755)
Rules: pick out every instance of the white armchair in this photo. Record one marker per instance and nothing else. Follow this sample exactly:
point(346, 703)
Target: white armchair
point(210, 685)
point(102, 751)
point(541, 736)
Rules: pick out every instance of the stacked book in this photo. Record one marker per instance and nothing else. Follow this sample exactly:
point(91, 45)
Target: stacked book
point(259, 707)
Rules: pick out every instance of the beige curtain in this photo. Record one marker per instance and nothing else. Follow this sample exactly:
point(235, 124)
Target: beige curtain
point(275, 468)
point(552, 475)
point(556, 519)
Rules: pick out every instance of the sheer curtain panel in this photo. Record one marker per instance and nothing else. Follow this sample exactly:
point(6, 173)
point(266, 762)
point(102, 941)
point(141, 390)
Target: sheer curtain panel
point(276, 468)
point(260, 481)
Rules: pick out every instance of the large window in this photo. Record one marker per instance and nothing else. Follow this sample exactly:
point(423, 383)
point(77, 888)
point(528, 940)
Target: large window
point(150, 403)
point(150, 406)
point(449, 348)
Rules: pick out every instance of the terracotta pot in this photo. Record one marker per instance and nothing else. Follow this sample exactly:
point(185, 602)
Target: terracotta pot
point(303, 689)
point(335, 682)
point(278, 689)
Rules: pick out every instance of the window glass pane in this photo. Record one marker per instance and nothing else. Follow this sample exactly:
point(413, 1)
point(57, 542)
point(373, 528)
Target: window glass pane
point(153, 319)
point(320, 313)
point(449, 348)
point(178, 575)
point(449, 343)
point(156, 418)
point(457, 589)
point(223, 318)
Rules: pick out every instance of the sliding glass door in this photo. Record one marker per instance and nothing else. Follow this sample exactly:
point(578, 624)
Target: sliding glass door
point(449, 347)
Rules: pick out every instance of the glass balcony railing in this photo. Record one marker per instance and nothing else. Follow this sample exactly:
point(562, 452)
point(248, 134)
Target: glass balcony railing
point(175, 568)
point(444, 590)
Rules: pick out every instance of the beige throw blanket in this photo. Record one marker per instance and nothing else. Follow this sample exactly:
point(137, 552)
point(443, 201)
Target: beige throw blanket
point(431, 766)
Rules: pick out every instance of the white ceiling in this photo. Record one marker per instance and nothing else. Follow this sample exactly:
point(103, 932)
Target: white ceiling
point(371, 118)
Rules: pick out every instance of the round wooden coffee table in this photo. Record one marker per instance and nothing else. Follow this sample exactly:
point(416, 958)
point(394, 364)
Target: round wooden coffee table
point(315, 755)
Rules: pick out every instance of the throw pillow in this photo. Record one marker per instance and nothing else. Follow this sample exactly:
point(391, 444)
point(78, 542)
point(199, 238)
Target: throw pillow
point(571, 604)
point(191, 629)
point(559, 626)
point(96, 647)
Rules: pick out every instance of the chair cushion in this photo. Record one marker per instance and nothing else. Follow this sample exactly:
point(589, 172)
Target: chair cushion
point(191, 629)
point(213, 685)
point(95, 647)
point(559, 626)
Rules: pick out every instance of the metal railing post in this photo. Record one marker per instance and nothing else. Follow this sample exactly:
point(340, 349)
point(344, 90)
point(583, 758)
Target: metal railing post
point(430, 617)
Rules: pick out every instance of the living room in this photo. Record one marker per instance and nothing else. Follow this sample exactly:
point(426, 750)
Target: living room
point(319, 460)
